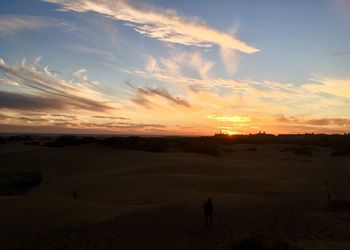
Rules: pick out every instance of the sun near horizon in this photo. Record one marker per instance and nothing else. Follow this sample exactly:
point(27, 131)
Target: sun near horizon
point(158, 67)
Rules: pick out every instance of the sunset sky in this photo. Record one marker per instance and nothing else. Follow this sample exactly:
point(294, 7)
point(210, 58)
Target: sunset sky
point(180, 67)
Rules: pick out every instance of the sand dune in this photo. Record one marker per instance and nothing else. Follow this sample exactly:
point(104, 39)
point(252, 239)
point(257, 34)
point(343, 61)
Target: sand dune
point(140, 200)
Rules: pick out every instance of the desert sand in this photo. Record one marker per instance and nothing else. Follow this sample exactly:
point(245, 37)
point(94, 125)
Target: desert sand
point(129, 199)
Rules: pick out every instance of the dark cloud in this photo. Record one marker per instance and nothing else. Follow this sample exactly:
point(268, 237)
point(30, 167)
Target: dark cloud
point(51, 91)
point(10, 100)
point(72, 128)
point(315, 122)
point(341, 53)
point(122, 125)
point(142, 101)
point(142, 93)
point(19, 101)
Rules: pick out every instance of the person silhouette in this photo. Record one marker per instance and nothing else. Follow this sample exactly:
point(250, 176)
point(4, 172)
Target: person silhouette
point(327, 190)
point(208, 213)
point(75, 194)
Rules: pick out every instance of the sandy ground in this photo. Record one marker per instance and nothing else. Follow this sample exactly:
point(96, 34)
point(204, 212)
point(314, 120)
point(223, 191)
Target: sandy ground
point(142, 200)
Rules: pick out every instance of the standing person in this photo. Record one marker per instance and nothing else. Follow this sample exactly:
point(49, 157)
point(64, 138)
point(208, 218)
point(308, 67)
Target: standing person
point(208, 213)
point(75, 194)
point(327, 190)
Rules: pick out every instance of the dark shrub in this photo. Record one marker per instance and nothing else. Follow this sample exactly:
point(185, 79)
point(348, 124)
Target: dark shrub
point(338, 205)
point(253, 243)
point(3, 140)
point(19, 138)
point(137, 143)
point(153, 145)
point(251, 149)
point(19, 183)
point(200, 146)
point(286, 149)
point(34, 143)
point(303, 151)
point(261, 243)
point(341, 152)
point(69, 140)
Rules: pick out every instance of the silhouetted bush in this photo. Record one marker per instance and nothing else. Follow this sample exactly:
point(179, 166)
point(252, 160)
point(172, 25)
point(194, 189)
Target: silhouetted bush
point(303, 151)
point(20, 138)
point(3, 140)
point(155, 144)
point(251, 149)
point(34, 143)
point(19, 183)
point(286, 149)
point(68, 140)
point(341, 152)
point(200, 146)
point(261, 243)
point(253, 243)
point(338, 205)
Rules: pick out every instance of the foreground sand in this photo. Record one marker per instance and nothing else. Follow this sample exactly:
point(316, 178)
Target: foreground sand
point(141, 200)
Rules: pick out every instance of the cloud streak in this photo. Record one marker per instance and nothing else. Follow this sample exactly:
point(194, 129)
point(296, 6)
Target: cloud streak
point(10, 100)
point(342, 122)
point(143, 93)
point(10, 24)
point(164, 25)
point(43, 90)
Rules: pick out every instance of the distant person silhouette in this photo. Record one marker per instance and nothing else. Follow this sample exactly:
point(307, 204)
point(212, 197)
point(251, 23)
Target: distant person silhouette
point(208, 213)
point(75, 194)
point(327, 190)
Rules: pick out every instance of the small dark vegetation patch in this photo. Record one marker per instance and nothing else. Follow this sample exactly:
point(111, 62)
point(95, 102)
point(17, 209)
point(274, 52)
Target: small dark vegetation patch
point(68, 140)
point(200, 147)
point(338, 205)
point(33, 143)
point(287, 149)
point(263, 243)
point(251, 149)
point(341, 152)
point(156, 144)
point(305, 151)
point(19, 183)
point(3, 140)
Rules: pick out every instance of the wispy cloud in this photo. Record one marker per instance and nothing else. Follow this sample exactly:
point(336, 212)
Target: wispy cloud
point(110, 117)
point(178, 63)
point(341, 53)
point(164, 25)
point(45, 90)
point(143, 93)
point(229, 58)
point(342, 122)
point(104, 54)
point(331, 86)
point(10, 24)
point(18, 101)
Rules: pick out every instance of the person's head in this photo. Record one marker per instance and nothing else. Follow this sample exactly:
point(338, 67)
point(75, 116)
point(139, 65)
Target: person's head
point(209, 199)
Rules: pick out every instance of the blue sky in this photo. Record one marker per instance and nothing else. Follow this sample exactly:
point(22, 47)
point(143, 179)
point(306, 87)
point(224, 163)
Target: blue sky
point(175, 67)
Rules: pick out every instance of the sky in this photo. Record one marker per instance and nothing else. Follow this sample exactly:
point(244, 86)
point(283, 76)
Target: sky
point(161, 67)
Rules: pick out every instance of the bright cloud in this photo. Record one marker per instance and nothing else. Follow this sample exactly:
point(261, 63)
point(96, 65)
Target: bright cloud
point(332, 86)
point(164, 25)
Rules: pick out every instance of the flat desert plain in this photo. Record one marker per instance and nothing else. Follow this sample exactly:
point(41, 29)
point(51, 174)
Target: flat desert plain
point(128, 199)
